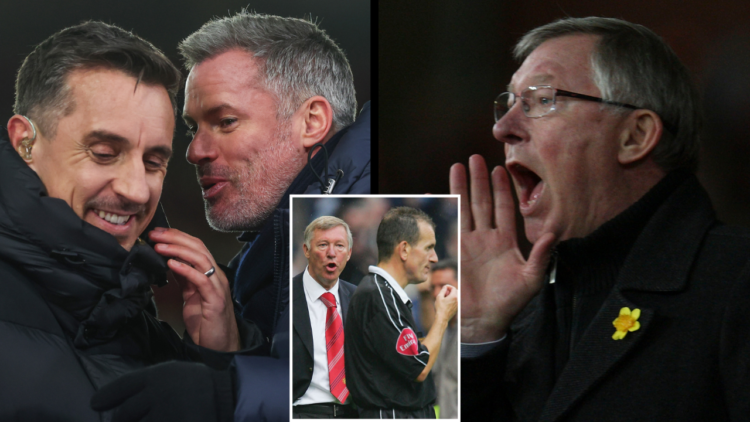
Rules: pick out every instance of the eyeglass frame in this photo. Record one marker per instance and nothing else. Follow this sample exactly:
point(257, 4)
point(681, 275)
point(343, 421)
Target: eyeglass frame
point(563, 93)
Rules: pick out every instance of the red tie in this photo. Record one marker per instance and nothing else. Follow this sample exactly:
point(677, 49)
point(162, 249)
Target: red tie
point(335, 348)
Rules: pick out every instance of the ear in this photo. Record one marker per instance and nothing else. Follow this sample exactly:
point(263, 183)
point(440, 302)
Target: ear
point(306, 251)
point(403, 249)
point(349, 255)
point(643, 130)
point(317, 121)
point(22, 135)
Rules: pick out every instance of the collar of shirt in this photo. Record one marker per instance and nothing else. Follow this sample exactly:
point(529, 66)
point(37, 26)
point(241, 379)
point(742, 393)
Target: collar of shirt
point(314, 290)
point(394, 284)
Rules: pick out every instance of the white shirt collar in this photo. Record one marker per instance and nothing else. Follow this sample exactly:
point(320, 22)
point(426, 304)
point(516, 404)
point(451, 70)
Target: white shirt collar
point(314, 289)
point(383, 273)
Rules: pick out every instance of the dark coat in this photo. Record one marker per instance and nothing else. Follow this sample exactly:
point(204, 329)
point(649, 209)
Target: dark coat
point(260, 272)
point(72, 304)
point(689, 361)
point(302, 340)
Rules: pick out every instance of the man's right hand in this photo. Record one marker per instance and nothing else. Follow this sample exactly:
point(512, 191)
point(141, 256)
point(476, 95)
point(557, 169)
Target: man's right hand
point(446, 303)
point(496, 281)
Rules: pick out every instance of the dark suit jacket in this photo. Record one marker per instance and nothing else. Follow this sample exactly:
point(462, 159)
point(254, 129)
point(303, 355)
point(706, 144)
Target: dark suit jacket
point(689, 361)
point(302, 340)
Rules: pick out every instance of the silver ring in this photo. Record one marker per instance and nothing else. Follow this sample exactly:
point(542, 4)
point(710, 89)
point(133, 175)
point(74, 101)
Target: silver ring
point(210, 272)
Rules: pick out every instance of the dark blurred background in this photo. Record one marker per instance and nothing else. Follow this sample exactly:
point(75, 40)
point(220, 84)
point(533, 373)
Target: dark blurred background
point(24, 24)
point(441, 66)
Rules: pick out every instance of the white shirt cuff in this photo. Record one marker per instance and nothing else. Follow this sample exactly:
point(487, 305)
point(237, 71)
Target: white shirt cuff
point(475, 350)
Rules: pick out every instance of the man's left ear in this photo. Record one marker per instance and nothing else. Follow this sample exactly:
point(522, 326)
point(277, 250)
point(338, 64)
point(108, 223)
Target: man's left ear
point(643, 130)
point(317, 120)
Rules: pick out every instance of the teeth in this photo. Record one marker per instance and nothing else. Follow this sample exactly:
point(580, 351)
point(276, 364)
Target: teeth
point(114, 218)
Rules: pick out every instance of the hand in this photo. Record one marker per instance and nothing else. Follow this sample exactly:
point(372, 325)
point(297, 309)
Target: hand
point(172, 391)
point(446, 303)
point(208, 310)
point(496, 281)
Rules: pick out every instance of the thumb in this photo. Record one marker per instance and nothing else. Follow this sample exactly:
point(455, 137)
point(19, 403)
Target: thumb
point(539, 257)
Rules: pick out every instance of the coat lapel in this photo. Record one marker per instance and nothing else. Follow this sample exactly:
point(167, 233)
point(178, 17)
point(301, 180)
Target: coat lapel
point(301, 319)
point(660, 261)
point(344, 294)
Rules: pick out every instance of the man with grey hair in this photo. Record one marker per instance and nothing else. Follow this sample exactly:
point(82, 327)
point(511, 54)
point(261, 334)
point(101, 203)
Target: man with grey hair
point(632, 302)
point(262, 93)
point(321, 300)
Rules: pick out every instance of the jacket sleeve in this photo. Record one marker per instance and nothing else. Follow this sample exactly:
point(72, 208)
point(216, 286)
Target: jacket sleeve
point(734, 349)
point(262, 388)
point(482, 393)
point(263, 382)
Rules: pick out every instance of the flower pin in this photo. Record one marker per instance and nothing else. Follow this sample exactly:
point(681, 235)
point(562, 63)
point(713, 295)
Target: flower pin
point(627, 321)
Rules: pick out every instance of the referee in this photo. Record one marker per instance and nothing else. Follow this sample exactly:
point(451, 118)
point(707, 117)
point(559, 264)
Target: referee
point(387, 367)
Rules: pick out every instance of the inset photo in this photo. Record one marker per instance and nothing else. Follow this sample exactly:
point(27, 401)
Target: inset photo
point(375, 307)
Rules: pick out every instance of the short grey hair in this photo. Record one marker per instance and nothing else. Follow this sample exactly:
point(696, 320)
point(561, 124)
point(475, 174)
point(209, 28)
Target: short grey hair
point(631, 64)
point(297, 59)
point(326, 222)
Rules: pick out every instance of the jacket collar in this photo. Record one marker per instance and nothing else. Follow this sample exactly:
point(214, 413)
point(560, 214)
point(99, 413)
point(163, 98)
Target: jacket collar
point(91, 283)
point(659, 261)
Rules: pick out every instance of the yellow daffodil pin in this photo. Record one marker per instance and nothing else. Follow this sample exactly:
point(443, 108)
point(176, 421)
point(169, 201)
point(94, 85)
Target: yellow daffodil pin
point(627, 321)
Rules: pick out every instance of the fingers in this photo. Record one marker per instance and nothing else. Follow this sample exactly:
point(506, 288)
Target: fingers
point(539, 257)
point(505, 207)
point(201, 261)
point(176, 237)
point(451, 292)
point(207, 288)
point(458, 187)
point(481, 201)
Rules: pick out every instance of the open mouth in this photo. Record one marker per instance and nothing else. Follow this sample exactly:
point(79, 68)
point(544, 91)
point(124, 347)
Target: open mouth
point(529, 186)
point(331, 266)
point(116, 219)
point(211, 186)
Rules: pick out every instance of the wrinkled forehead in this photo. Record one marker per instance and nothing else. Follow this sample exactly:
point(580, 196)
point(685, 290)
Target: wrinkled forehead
point(563, 62)
point(337, 233)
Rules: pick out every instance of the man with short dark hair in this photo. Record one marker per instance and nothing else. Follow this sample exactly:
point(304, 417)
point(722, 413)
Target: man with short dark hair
point(641, 314)
point(388, 367)
point(80, 186)
point(321, 300)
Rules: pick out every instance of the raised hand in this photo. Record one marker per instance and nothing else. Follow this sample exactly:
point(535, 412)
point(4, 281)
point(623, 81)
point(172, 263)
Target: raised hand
point(446, 302)
point(496, 281)
point(208, 311)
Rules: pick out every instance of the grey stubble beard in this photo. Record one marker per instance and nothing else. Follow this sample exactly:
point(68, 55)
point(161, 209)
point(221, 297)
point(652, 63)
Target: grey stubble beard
point(260, 185)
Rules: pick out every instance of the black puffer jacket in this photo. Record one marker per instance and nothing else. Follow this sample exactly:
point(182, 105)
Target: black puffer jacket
point(72, 304)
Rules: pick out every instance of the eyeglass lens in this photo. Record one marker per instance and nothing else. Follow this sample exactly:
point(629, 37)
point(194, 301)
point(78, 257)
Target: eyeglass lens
point(535, 101)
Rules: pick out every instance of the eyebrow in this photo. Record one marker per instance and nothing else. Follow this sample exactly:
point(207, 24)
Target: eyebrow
point(543, 78)
point(103, 135)
point(208, 113)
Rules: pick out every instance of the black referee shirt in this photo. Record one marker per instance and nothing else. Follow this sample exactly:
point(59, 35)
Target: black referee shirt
point(383, 356)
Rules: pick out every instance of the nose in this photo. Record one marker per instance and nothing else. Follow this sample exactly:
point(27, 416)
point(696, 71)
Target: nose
point(508, 128)
point(331, 251)
point(131, 183)
point(433, 256)
point(201, 149)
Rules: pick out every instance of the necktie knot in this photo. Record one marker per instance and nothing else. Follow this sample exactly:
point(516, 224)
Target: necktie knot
point(328, 299)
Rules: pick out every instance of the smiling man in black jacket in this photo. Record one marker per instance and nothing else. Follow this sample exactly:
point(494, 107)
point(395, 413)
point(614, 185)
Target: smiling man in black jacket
point(80, 179)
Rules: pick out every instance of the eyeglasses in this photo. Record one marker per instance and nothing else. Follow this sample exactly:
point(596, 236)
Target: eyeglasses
point(539, 101)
